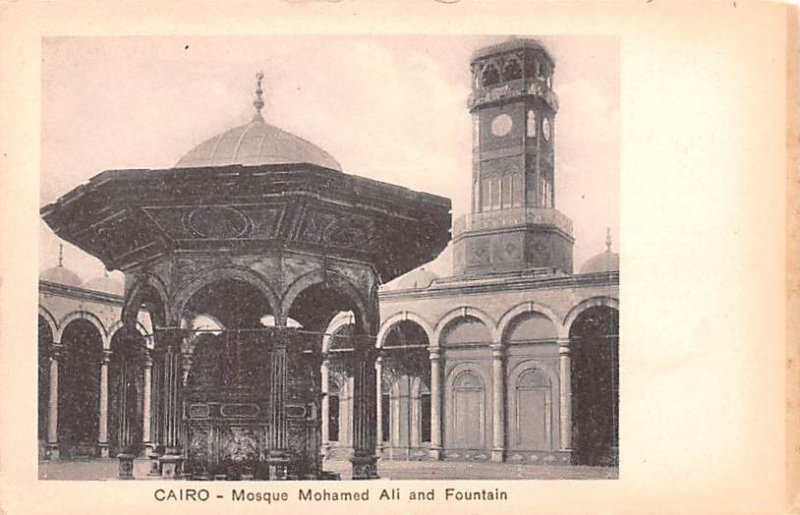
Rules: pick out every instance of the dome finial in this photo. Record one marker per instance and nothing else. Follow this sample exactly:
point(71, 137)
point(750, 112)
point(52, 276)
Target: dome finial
point(608, 239)
point(61, 255)
point(258, 103)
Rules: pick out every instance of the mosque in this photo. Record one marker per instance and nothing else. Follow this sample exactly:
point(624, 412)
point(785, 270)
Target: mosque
point(513, 357)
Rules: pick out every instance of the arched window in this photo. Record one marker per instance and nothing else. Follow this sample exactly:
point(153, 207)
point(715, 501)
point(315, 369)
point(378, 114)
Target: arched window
point(490, 76)
point(45, 343)
point(516, 190)
point(512, 70)
point(467, 414)
point(532, 422)
point(506, 193)
point(531, 124)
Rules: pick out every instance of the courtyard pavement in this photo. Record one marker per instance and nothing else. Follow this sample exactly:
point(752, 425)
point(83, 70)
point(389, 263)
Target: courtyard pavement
point(106, 469)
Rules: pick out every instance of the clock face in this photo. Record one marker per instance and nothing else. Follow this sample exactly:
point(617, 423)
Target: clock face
point(546, 129)
point(501, 125)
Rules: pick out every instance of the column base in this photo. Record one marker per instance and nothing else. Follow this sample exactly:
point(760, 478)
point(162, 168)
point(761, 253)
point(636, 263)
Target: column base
point(435, 453)
point(171, 466)
point(498, 455)
point(103, 448)
point(125, 465)
point(53, 452)
point(155, 465)
point(149, 447)
point(365, 467)
point(278, 462)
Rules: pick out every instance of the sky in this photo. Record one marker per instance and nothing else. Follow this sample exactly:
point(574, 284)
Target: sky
point(391, 108)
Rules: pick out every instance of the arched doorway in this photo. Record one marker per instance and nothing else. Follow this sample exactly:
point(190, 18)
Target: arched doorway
point(227, 379)
point(79, 390)
point(594, 344)
point(406, 372)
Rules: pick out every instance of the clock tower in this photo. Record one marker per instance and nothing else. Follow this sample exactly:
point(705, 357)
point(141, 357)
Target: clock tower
point(513, 224)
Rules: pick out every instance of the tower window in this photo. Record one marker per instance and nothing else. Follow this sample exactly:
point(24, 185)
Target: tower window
point(486, 195)
point(512, 70)
point(531, 124)
point(506, 192)
point(490, 75)
point(516, 190)
point(496, 193)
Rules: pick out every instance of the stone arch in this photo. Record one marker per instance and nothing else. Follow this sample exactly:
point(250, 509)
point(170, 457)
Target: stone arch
point(455, 314)
point(403, 316)
point(89, 317)
point(510, 316)
point(341, 320)
point(582, 306)
point(50, 320)
point(363, 315)
point(206, 277)
point(133, 297)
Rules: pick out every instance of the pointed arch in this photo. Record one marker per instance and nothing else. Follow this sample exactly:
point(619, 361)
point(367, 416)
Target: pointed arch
point(213, 275)
point(338, 282)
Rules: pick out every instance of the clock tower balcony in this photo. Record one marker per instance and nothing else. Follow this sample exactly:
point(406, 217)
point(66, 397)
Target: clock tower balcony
point(512, 240)
point(513, 89)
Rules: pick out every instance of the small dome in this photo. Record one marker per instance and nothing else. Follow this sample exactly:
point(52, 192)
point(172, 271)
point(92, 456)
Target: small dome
point(256, 143)
point(105, 284)
point(606, 262)
point(60, 275)
point(419, 278)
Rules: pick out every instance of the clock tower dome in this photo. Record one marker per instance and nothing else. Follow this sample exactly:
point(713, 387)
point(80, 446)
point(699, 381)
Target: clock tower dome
point(513, 224)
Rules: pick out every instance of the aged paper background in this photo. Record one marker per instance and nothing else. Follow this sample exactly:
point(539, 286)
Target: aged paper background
point(702, 222)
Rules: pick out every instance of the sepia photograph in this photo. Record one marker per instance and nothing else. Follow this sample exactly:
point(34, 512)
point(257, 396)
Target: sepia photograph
point(329, 258)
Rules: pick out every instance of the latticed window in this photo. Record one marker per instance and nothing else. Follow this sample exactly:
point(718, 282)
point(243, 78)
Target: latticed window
point(512, 70)
point(490, 76)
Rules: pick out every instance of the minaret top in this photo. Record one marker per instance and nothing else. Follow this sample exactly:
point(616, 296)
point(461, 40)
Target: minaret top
point(258, 103)
point(61, 255)
point(608, 239)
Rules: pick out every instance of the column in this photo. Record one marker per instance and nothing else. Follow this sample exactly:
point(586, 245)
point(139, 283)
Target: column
point(498, 403)
point(565, 395)
point(325, 382)
point(103, 422)
point(363, 366)
point(378, 406)
point(171, 399)
point(52, 415)
point(147, 384)
point(436, 403)
point(278, 458)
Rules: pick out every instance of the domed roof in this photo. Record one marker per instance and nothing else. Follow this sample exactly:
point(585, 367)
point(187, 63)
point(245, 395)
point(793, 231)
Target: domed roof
point(605, 262)
point(60, 275)
point(256, 143)
point(419, 278)
point(105, 284)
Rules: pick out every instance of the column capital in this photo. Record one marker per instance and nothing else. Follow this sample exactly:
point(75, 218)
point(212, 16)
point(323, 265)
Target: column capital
point(56, 350)
point(498, 350)
point(147, 358)
point(106, 356)
point(563, 345)
point(435, 353)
